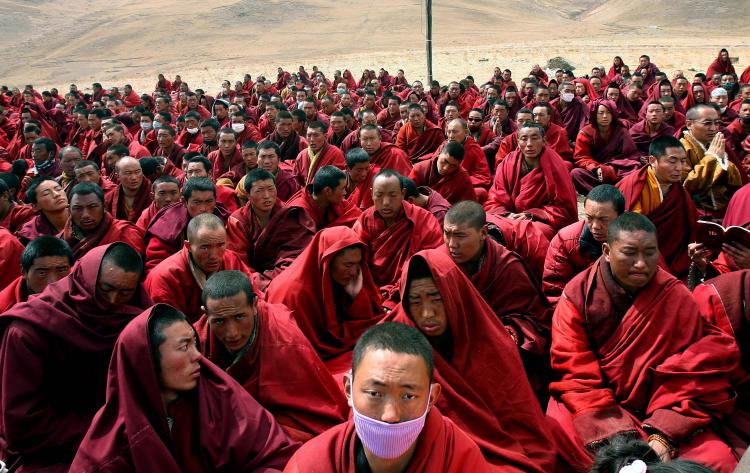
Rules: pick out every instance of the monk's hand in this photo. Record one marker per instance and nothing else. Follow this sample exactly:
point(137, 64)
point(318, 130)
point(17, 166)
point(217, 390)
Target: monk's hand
point(599, 174)
point(661, 450)
point(519, 216)
point(26, 181)
point(718, 146)
point(699, 255)
point(739, 253)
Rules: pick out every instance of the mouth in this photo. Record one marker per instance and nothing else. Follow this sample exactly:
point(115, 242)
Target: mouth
point(430, 329)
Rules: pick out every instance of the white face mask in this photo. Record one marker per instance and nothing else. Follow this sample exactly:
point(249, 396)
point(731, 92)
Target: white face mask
point(341, 91)
point(567, 97)
point(157, 125)
point(145, 125)
point(723, 109)
point(192, 131)
point(238, 127)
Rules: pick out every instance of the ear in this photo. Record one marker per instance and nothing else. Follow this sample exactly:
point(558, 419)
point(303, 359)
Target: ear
point(186, 245)
point(651, 160)
point(435, 394)
point(606, 251)
point(484, 232)
point(348, 388)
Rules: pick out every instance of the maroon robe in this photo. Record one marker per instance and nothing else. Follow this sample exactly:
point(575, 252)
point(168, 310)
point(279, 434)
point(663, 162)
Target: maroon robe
point(219, 167)
point(329, 155)
point(643, 139)
point(114, 202)
point(417, 145)
point(574, 116)
point(738, 210)
point(390, 156)
point(475, 162)
point(345, 213)
point(10, 263)
point(292, 146)
point(454, 187)
point(37, 226)
point(109, 231)
point(17, 215)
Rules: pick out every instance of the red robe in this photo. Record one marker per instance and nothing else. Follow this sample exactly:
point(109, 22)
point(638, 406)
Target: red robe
point(109, 231)
point(546, 192)
point(56, 338)
point(722, 301)
point(415, 229)
point(345, 213)
point(173, 282)
point(220, 169)
point(571, 251)
point(521, 237)
point(390, 156)
point(302, 396)
point(270, 249)
point(386, 120)
point(38, 226)
point(738, 210)
point(330, 318)
point(329, 156)
point(17, 216)
point(114, 202)
point(292, 146)
point(441, 447)
point(10, 263)
point(627, 363)
point(417, 145)
point(217, 423)
point(643, 139)
point(508, 426)
point(455, 187)
point(13, 293)
point(474, 162)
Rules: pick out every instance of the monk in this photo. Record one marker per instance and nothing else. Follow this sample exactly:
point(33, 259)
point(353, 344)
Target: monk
point(44, 261)
point(576, 247)
point(165, 234)
point(179, 279)
point(49, 199)
point(227, 160)
point(266, 234)
point(393, 363)
point(510, 142)
point(604, 151)
point(474, 160)
point(445, 174)
point(609, 328)
point(13, 215)
point(390, 116)
point(331, 294)
point(254, 341)
point(165, 191)
point(393, 230)
point(115, 135)
point(90, 225)
point(383, 155)
point(418, 137)
point(318, 154)
point(10, 264)
point(572, 110)
point(165, 137)
point(170, 410)
point(132, 196)
point(651, 127)
point(69, 157)
point(88, 171)
point(508, 426)
point(710, 175)
point(269, 159)
point(426, 198)
point(359, 176)
point(323, 200)
point(289, 141)
point(722, 303)
point(201, 167)
point(555, 136)
point(655, 192)
point(64, 336)
point(532, 183)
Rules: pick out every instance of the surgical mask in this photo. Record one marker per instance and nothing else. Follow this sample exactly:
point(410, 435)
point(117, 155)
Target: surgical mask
point(157, 125)
point(384, 440)
point(723, 109)
point(145, 125)
point(238, 127)
point(341, 90)
point(192, 131)
point(728, 87)
point(567, 96)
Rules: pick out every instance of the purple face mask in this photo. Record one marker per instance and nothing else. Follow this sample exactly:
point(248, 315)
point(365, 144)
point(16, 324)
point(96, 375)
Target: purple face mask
point(386, 440)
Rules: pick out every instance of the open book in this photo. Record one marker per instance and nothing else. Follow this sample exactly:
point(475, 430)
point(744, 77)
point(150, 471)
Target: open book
point(713, 235)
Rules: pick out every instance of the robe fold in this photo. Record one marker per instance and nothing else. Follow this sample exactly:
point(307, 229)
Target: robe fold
point(10, 263)
point(344, 214)
point(474, 162)
point(390, 156)
point(454, 187)
point(114, 202)
point(417, 145)
point(643, 138)
point(305, 169)
point(572, 250)
point(109, 231)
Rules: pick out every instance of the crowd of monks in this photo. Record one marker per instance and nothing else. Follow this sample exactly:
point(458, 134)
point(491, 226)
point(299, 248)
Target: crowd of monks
point(325, 274)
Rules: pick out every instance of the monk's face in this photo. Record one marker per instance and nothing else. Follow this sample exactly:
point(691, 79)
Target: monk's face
point(164, 138)
point(522, 118)
point(116, 285)
point(426, 307)
point(346, 267)
point(221, 112)
point(370, 140)
point(87, 174)
point(633, 258)
point(227, 143)
point(268, 160)
point(643, 61)
point(724, 56)
point(87, 211)
point(284, 127)
point(208, 133)
point(207, 248)
point(451, 112)
point(368, 118)
point(744, 110)
point(250, 158)
point(680, 86)
point(68, 162)
point(454, 90)
point(745, 92)
point(338, 124)
point(455, 131)
point(45, 270)
point(346, 101)
point(613, 94)
point(262, 195)
point(391, 387)
point(416, 118)
point(720, 100)
point(166, 193)
point(179, 357)
point(668, 168)
point(196, 169)
point(598, 216)
point(500, 112)
point(464, 242)
point(115, 137)
point(388, 197)
point(655, 114)
point(541, 116)
point(474, 121)
point(530, 142)
point(50, 197)
point(310, 110)
point(542, 96)
point(603, 116)
point(130, 173)
point(447, 164)
point(705, 127)
point(40, 154)
point(200, 202)
point(668, 110)
point(316, 139)
point(596, 83)
point(232, 320)
point(393, 107)
point(83, 121)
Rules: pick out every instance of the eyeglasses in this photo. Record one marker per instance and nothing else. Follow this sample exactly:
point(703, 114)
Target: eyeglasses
point(475, 120)
point(709, 123)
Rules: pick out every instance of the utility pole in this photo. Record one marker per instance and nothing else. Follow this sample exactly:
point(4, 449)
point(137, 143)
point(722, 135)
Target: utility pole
point(428, 39)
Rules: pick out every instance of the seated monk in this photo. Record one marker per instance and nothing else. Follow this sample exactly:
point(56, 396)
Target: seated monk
point(254, 342)
point(179, 279)
point(604, 152)
point(651, 127)
point(200, 166)
point(383, 155)
point(227, 162)
point(710, 176)
point(64, 337)
point(44, 261)
point(323, 200)
point(289, 141)
point(269, 158)
point(445, 174)
point(624, 317)
point(319, 153)
point(573, 111)
point(576, 247)
point(165, 234)
point(508, 426)
point(330, 292)
point(48, 197)
point(89, 171)
point(390, 386)
point(266, 234)
point(722, 303)
point(165, 190)
point(474, 160)
point(418, 137)
point(532, 183)
point(510, 142)
point(393, 231)
point(506, 284)
point(426, 198)
point(13, 215)
point(10, 265)
point(131, 197)
point(90, 225)
point(165, 137)
point(115, 135)
point(360, 173)
point(555, 135)
point(390, 116)
point(655, 192)
point(170, 410)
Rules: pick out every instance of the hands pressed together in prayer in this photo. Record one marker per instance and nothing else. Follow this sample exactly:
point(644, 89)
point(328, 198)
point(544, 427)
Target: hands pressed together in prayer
point(718, 147)
point(519, 216)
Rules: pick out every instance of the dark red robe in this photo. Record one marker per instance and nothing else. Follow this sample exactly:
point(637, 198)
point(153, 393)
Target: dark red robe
point(738, 210)
point(345, 213)
point(523, 238)
point(474, 162)
point(13, 293)
point(572, 250)
point(643, 139)
point(114, 202)
point(454, 187)
point(220, 168)
point(390, 156)
point(17, 216)
point(109, 231)
point(417, 145)
point(10, 263)
point(217, 426)
point(37, 226)
point(290, 146)
point(329, 156)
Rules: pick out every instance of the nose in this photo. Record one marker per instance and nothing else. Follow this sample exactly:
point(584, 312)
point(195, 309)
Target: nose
point(112, 297)
point(428, 311)
point(391, 412)
point(354, 271)
point(451, 243)
point(195, 354)
point(640, 263)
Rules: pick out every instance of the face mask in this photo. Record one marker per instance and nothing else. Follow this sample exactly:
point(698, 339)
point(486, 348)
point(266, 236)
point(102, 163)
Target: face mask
point(723, 109)
point(341, 91)
point(238, 127)
point(209, 143)
point(157, 125)
point(145, 126)
point(384, 440)
point(728, 86)
point(192, 131)
point(567, 96)
point(44, 166)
